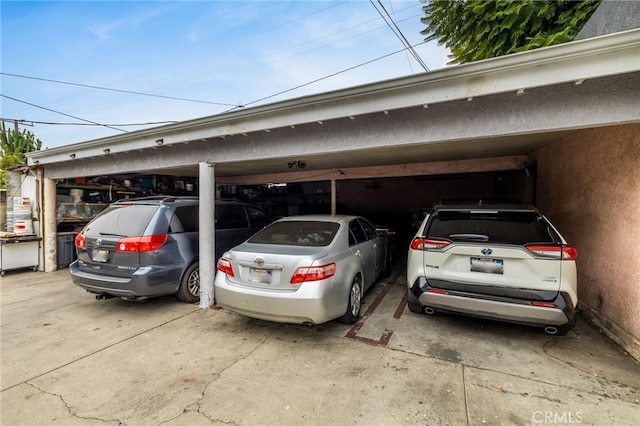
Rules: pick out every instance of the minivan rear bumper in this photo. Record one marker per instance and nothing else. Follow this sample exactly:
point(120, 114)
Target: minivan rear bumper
point(145, 282)
point(502, 308)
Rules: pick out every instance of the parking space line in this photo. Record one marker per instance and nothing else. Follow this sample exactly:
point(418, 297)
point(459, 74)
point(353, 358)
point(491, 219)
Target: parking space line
point(386, 335)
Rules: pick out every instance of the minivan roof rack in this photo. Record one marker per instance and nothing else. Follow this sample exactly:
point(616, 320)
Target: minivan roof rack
point(159, 198)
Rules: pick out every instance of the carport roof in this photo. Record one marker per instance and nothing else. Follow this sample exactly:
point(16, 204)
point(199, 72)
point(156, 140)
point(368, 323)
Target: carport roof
point(570, 63)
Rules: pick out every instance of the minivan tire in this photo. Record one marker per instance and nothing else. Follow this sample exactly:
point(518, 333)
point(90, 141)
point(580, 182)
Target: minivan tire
point(189, 291)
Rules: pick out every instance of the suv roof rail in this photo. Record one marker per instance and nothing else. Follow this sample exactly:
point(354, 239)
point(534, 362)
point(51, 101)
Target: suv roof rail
point(481, 199)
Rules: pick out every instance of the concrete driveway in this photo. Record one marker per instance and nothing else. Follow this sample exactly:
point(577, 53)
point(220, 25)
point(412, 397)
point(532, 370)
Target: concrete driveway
point(69, 359)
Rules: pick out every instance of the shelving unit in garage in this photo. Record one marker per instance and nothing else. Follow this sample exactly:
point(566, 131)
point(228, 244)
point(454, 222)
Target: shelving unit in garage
point(79, 200)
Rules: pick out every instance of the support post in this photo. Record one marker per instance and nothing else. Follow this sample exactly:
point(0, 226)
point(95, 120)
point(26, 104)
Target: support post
point(206, 214)
point(333, 197)
point(50, 228)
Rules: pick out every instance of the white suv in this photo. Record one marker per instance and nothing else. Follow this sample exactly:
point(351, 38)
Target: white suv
point(494, 258)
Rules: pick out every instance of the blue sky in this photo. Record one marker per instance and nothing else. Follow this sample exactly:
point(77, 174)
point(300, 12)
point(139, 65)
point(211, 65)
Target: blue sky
point(213, 54)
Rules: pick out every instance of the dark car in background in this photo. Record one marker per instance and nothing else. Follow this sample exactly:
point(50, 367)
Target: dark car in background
point(148, 247)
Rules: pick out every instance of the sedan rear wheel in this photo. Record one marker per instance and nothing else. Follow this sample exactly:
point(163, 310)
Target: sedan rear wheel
point(354, 303)
point(189, 290)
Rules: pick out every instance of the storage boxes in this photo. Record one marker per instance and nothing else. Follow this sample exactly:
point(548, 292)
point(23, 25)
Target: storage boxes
point(19, 219)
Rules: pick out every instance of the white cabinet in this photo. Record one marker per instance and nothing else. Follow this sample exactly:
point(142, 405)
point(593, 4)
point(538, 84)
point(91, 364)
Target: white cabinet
point(19, 252)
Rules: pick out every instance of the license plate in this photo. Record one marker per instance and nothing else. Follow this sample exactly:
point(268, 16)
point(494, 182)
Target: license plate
point(262, 276)
point(100, 255)
point(489, 266)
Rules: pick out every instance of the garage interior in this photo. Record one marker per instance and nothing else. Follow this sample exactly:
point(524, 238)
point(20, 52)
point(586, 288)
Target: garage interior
point(392, 203)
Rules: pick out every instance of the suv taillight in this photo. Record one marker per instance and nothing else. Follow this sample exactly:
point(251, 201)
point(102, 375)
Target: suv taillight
point(224, 266)
point(556, 252)
point(426, 244)
point(313, 273)
point(81, 241)
point(141, 244)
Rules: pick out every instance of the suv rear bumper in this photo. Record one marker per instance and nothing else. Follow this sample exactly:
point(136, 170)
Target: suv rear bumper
point(503, 308)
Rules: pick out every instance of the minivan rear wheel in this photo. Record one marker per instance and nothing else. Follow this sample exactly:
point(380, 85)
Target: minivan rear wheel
point(189, 290)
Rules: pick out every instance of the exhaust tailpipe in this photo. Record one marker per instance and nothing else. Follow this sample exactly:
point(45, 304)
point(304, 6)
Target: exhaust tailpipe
point(103, 297)
point(551, 329)
point(429, 310)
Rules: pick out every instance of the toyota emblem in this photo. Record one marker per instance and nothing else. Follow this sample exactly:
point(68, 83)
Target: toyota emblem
point(258, 261)
point(487, 251)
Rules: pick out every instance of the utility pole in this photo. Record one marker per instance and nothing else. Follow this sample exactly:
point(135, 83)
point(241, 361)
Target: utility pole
point(16, 123)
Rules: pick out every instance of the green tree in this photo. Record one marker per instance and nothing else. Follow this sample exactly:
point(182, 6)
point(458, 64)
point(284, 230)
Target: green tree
point(13, 145)
point(481, 29)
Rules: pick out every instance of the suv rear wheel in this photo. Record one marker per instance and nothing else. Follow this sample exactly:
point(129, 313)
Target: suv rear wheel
point(189, 290)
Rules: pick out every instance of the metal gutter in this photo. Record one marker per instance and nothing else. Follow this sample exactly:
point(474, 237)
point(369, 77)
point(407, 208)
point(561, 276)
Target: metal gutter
point(572, 62)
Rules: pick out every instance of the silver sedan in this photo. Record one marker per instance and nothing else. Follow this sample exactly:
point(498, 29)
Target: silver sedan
point(303, 269)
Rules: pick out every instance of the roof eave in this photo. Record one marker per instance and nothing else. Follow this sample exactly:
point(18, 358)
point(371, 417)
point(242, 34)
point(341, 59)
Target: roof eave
point(570, 62)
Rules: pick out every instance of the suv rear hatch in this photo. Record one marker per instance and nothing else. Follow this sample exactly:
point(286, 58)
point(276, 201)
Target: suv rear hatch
point(510, 253)
point(112, 243)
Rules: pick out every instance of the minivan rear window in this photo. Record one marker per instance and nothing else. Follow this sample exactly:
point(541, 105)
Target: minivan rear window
point(188, 219)
point(121, 220)
point(495, 227)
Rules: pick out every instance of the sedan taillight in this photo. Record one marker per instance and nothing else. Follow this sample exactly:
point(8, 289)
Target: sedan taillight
point(81, 241)
point(313, 273)
point(141, 244)
point(427, 244)
point(556, 252)
point(224, 266)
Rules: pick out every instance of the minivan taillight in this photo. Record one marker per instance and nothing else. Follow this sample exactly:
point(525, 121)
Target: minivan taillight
point(427, 244)
point(81, 241)
point(141, 244)
point(313, 273)
point(556, 252)
point(224, 266)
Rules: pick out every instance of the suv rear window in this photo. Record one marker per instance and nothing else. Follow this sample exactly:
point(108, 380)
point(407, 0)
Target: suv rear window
point(125, 221)
point(494, 227)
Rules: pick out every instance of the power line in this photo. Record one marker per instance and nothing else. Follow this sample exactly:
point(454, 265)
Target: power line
point(62, 113)
point(111, 126)
point(115, 90)
point(53, 123)
point(398, 33)
point(327, 76)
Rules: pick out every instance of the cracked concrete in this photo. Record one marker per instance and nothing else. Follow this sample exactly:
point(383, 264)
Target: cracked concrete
point(71, 360)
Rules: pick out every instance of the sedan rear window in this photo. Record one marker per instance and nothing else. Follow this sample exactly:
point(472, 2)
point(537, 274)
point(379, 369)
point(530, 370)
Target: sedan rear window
point(297, 233)
point(495, 227)
point(121, 221)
